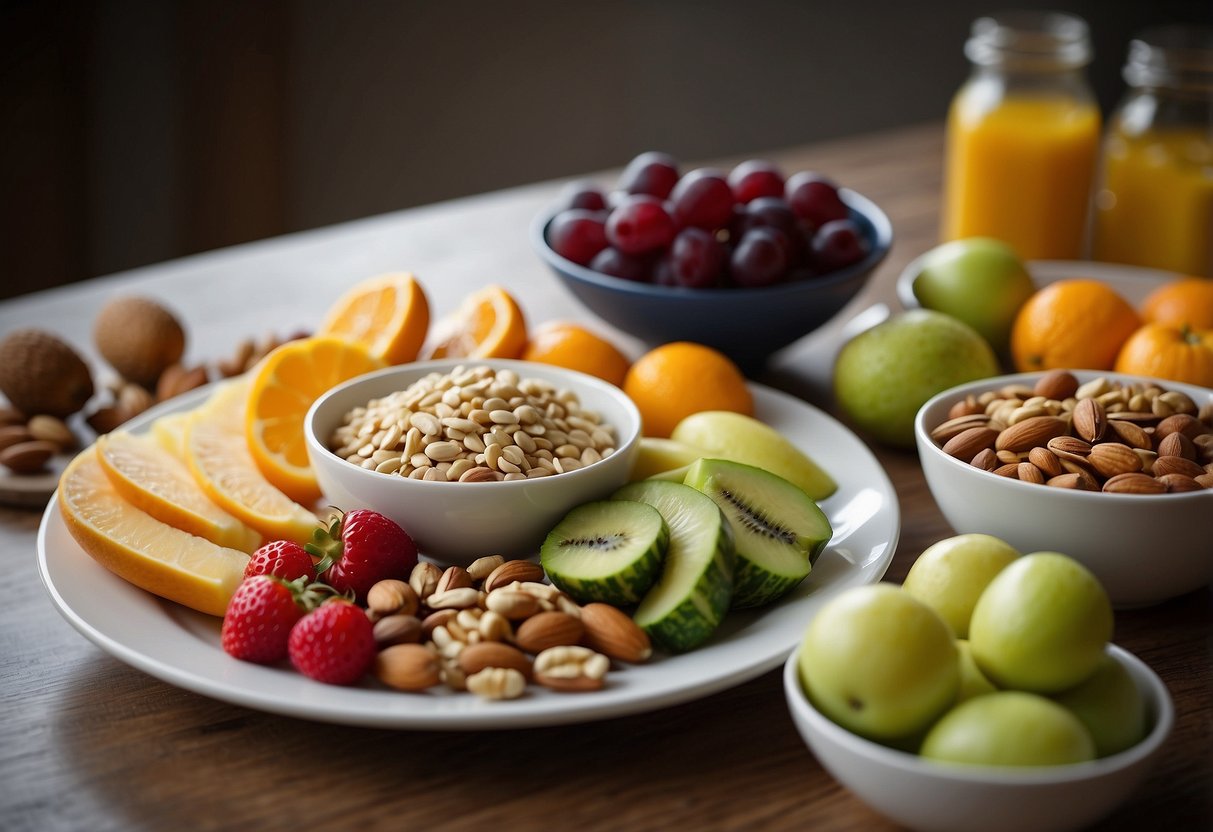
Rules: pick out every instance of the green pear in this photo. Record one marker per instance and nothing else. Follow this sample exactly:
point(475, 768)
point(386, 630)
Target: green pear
point(949, 576)
point(1110, 705)
point(1009, 728)
point(658, 455)
point(740, 438)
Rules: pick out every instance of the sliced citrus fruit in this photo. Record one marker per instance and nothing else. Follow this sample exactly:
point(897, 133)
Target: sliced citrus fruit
point(388, 315)
point(139, 548)
point(169, 432)
point(219, 458)
point(284, 385)
point(488, 324)
point(154, 481)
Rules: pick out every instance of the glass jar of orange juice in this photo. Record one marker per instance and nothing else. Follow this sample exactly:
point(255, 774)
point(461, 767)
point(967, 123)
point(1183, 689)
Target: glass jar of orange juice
point(1023, 136)
point(1154, 206)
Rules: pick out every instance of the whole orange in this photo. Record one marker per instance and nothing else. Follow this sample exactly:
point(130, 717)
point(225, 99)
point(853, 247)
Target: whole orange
point(576, 348)
point(1074, 324)
point(1187, 301)
point(1174, 353)
point(675, 380)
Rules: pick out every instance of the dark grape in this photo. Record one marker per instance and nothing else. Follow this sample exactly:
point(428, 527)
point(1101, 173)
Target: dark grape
point(640, 225)
point(755, 178)
point(760, 258)
point(651, 173)
point(702, 199)
point(696, 259)
point(614, 262)
point(837, 244)
point(815, 199)
point(583, 194)
point(774, 212)
point(577, 235)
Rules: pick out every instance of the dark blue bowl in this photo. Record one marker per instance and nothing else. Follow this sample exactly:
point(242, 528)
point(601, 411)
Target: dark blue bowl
point(748, 325)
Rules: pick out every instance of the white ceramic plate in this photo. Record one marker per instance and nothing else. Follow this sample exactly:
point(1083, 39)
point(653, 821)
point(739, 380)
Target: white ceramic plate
point(1132, 282)
point(181, 646)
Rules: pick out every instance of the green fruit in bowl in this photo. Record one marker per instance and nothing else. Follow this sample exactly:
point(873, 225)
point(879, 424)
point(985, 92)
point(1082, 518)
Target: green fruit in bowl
point(885, 374)
point(972, 681)
point(949, 576)
point(1009, 728)
point(1041, 625)
point(879, 663)
point(979, 280)
point(1109, 704)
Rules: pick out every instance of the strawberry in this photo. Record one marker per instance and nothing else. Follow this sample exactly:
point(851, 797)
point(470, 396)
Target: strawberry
point(334, 643)
point(259, 619)
point(285, 559)
point(361, 548)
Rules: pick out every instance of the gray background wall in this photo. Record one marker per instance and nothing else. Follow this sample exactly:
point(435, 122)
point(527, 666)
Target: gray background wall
point(135, 131)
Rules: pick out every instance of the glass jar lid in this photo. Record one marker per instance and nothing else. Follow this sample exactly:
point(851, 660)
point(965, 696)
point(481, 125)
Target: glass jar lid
point(1030, 40)
point(1178, 57)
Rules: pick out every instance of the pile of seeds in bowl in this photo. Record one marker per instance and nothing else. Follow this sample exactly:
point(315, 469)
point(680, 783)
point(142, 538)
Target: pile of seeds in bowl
point(1099, 436)
point(474, 424)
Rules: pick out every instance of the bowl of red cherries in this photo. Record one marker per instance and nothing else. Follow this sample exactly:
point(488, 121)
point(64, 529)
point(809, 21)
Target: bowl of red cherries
point(747, 260)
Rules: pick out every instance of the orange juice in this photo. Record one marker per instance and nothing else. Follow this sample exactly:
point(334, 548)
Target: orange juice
point(1021, 170)
point(1155, 208)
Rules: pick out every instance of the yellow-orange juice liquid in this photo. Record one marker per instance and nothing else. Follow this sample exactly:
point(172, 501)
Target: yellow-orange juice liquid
point(1021, 171)
point(1155, 208)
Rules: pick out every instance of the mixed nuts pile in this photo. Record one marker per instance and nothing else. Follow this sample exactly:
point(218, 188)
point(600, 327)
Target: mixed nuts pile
point(493, 628)
point(1097, 436)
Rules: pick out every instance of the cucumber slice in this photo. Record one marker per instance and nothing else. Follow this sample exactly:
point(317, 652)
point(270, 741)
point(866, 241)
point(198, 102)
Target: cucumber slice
point(609, 551)
point(691, 597)
point(778, 531)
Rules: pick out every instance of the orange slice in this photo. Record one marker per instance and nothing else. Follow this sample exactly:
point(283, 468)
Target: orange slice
point(388, 315)
point(284, 385)
point(219, 458)
point(154, 481)
point(169, 432)
point(139, 548)
point(488, 324)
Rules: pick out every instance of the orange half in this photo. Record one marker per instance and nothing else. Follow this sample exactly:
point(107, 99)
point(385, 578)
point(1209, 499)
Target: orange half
point(388, 315)
point(284, 385)
point(488, 324)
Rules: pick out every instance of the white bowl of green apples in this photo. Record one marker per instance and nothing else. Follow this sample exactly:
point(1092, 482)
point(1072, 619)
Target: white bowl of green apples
point(982, 694)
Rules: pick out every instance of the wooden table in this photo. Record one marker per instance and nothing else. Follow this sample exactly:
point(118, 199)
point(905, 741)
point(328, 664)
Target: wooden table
point(87, 742)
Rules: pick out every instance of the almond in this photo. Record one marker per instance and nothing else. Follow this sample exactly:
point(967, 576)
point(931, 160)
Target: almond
point(51, 429)
point(548, 629)
point(953, 427)
point(1204, 480)
point(967, 443)
point(476, 657)
point(1179, 482)
point(1176, 444)
point(1090, 420)
point(1067, 481)
point(1112, 458)
point(14, 435)
point(28, 457)
point(1134, 483)
point(1176, 465)
point(397, 629)
point(1028, 434)
point(455, 577)
point(1130, 434)
point(513, 570)
point(1046, 461)
point(407, 667)
point(1069, 447)
point(1027, 472)
point(1011, 469)
point(968, 406)
point(11, 416)
point(985, 459)
point(1056, 384)
point(612, 632)
point(1184, 423)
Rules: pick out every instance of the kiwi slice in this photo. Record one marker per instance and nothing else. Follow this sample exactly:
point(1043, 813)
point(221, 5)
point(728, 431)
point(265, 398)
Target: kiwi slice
point(609, 551)
point(778, 531)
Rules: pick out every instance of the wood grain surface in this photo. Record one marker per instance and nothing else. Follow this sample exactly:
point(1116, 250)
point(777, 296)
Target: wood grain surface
point(88, 743)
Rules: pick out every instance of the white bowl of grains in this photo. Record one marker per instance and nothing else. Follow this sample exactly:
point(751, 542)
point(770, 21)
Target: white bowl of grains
point(1084, 463)
point(472, 457)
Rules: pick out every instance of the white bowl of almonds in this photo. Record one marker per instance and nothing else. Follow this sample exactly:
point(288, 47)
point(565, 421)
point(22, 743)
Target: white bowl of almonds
point(472, 457)
point(1113, 470)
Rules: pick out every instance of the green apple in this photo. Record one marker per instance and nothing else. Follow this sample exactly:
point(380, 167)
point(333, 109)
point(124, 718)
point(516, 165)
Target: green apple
point(1109, 704)
point(950, 575)
point(879, 663)
point(972, 681)
point(657, 455)
point(1041, 625)
point(979, 280)
point(1009, 728)
point(740, 438)
point(885, 374)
